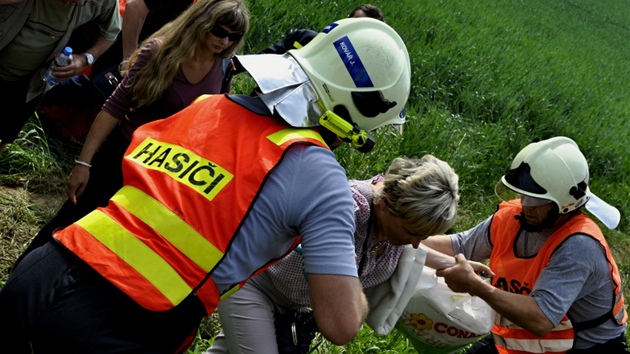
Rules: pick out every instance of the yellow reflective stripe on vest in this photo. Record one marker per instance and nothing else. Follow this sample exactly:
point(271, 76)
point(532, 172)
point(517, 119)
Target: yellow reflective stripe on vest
point(285, 135)
point(176, 231)
point(135, 253)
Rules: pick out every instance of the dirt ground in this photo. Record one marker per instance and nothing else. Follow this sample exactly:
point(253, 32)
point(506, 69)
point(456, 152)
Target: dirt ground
point(23, 211)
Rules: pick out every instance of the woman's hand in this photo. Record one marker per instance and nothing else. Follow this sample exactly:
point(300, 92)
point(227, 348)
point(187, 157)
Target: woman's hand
point(103, 124)
point(77, 181)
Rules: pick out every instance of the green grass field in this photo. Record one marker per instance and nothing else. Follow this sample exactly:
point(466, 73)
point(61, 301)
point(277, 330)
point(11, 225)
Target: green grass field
point(488, 77)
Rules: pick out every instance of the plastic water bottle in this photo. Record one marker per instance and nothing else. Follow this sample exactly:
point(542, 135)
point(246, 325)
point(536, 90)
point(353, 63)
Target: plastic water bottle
point(62, 59)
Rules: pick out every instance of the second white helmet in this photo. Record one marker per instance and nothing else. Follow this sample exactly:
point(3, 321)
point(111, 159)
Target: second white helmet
point(554, 169)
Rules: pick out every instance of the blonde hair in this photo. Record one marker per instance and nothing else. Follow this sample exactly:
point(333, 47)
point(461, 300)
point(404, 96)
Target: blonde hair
point(423, 192)
point(180, 39)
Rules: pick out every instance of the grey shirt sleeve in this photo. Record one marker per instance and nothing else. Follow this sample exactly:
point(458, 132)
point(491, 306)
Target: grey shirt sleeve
point(474, 243)
point(308, 195)
point(577, 282)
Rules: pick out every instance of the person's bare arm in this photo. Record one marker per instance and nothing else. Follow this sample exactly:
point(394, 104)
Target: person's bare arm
point(99, 47)
point(440, 243)
point(135, 14)
point(438, 260)
point(520, 309)
point(339, 306)
point(103, 124)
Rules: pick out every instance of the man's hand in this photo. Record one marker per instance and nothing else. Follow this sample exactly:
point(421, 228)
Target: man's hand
point(481, 269)
point(520, 309)
point(461, 277)
point(75, 67)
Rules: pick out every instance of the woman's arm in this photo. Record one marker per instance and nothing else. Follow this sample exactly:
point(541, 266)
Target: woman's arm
point(438, 260)
point(103, 124)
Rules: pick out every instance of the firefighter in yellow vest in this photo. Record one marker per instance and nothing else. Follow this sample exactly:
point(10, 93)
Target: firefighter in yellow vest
point(557, 288)
point(213, 195)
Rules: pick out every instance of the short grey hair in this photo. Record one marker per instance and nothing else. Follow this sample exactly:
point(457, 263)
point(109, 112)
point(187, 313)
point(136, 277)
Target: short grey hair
point(423, 192)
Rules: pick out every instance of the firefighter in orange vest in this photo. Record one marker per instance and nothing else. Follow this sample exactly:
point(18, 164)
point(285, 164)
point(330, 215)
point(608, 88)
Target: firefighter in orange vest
point(214, 194)
point(557, 288)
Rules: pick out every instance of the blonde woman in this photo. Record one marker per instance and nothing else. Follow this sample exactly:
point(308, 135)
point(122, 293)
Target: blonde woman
point(183, 60)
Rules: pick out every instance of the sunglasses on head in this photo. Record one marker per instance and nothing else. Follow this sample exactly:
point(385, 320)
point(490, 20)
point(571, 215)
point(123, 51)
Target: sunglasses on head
point(221, 33)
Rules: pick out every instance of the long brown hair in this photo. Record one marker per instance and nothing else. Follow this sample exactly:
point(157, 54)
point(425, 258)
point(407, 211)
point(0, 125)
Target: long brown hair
point(180, 39)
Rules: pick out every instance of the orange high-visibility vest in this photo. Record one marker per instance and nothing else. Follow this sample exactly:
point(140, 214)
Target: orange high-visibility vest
point(520, 275)
point(190, 181)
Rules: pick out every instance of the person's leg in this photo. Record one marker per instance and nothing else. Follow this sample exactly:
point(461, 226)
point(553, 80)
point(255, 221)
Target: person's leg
point(23, 298)
point(247, 320)
point(15, 111)
point(60, 305)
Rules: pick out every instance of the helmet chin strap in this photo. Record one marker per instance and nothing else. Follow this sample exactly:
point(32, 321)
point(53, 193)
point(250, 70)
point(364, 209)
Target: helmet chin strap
point(359, 138)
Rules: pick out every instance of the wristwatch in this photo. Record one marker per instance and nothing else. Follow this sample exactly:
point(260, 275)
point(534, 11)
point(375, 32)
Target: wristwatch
point(89, 58)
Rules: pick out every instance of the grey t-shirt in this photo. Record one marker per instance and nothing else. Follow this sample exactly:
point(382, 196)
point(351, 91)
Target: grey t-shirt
point(575, 281)
point(288, 275)
point(307, 194)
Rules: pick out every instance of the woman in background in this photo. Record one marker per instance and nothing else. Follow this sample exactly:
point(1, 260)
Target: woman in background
point(183, 60)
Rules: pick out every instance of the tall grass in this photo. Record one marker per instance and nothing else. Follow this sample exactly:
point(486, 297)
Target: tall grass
point(36, 160)
point(488, 77)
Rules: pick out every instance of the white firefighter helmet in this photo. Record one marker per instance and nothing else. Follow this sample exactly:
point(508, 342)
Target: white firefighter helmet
point(360, 69)
point(554, 169)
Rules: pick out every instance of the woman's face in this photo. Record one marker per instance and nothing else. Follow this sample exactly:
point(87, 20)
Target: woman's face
point(392, 228)
point(221, 37)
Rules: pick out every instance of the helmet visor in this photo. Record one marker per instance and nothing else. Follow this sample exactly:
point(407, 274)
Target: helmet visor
point(512, 197)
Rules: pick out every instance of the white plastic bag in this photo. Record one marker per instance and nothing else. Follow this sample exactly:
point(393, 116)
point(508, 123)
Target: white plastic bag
point(388, 299)
point(437, 320)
